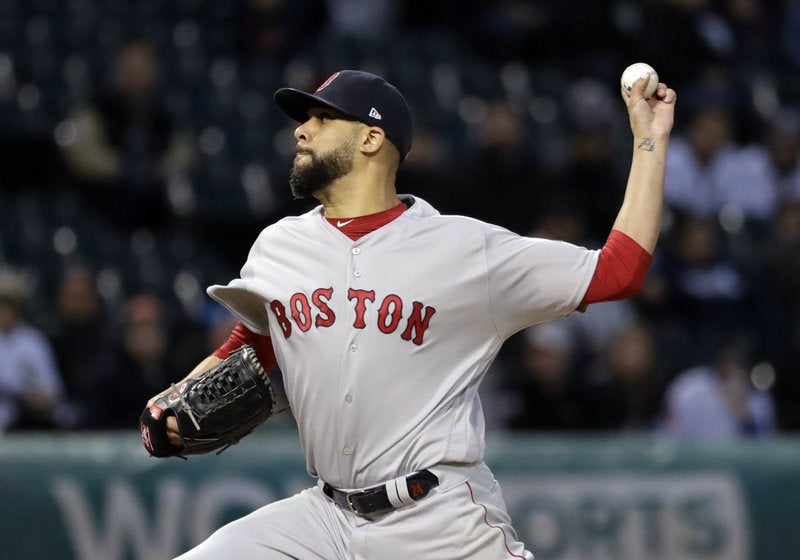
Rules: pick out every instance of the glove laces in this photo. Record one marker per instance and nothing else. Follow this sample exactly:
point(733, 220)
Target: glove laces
point(185, 407)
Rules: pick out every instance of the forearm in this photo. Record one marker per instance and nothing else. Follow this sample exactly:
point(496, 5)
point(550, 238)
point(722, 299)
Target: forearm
point(159, 432)
point(640, 215)
point(203, 366)
point(621, 270)
point(240, 336)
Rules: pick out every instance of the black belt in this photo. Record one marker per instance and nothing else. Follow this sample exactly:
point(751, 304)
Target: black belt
point(376, 499)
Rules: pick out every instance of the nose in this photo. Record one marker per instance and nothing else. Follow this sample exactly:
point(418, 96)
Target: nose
point(301, 133)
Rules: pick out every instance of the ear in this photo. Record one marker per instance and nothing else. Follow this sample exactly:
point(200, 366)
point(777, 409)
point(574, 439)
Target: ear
point(371, 140)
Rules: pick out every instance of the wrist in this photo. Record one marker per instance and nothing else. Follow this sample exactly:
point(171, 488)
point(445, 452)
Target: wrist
point(652, 136)
point(650, 143)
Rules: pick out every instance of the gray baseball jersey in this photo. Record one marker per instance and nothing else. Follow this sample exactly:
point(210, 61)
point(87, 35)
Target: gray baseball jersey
point(384, 341)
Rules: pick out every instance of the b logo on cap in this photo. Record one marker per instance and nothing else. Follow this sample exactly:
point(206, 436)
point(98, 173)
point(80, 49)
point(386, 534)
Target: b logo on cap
point(327, 82)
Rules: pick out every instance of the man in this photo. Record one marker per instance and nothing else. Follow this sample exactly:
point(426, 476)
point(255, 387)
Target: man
point(32, 391)
point(127, 145)
point(384, 315)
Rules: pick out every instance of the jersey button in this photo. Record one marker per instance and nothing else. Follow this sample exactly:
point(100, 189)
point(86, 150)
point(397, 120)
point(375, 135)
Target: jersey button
point(348, 399)
point(353, 347)
point(347, 451)
point(357, 274)
point(356, 250)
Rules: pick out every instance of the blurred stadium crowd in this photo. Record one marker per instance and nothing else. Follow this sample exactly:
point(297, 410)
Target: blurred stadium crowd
point(142, 153)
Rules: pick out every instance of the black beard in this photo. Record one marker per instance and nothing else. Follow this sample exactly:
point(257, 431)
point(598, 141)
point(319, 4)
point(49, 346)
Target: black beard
point(323, 170)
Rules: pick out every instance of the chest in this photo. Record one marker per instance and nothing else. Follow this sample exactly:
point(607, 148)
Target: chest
point(17, 366)
point(399, 289)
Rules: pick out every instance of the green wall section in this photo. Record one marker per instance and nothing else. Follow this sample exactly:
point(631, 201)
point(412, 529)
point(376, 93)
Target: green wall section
point(99, 497)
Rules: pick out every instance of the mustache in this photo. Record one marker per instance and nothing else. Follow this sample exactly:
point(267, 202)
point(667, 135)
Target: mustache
point(308, 151)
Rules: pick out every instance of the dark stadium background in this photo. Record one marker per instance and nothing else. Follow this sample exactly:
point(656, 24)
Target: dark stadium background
point(518, 122)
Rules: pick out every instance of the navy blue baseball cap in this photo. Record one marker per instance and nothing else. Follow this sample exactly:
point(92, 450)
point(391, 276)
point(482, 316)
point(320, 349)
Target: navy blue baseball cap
point(359, 95)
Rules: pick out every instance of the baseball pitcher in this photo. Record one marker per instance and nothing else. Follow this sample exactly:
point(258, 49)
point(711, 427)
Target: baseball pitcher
point(384, 316)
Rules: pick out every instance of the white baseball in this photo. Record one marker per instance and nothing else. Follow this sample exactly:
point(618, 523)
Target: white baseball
point(636, 71)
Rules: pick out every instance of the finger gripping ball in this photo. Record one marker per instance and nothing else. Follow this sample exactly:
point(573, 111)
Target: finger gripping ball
point(636, 71)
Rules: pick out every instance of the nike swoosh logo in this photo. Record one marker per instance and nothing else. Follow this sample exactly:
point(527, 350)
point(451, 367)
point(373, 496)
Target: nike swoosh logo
point(339, 223)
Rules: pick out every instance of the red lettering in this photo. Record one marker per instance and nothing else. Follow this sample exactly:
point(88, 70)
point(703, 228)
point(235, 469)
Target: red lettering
point(306, 312)
point(417, 323)
point(361, 297)
point(301, 311)
point(396, 304)
point(280, 314)
point(324, 309)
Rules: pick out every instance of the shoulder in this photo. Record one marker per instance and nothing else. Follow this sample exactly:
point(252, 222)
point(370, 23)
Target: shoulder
point(752, 159)
point(30, 337)
point(468, 230)
point(460, 233)
point(423, 214)
point(695, 380)
point(291, 225)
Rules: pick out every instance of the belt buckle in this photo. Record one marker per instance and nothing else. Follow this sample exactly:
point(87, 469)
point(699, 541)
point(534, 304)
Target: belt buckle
point(350, 503)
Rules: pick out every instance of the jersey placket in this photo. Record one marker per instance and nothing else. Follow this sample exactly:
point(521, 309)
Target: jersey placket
point(351, 363)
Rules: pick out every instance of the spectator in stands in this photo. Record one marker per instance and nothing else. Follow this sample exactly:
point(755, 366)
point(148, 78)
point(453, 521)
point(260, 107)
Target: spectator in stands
point(718, 400)
point(122, 145)
point(563, 384)
point(126, 145)
point(752, 23)
point(779, 301)
point(548, 381)
point(705, 287)
point(363, 21)
point(141, 364)
point(275, 30)
point(197, 339)
point(783, 154)
point(80, 337)
point(31, 390)
point(707, 173)
point(706, 38)
point(591, 179)
point(428, 168)
point(503, 159)
point(789, 29)
point(626, 381)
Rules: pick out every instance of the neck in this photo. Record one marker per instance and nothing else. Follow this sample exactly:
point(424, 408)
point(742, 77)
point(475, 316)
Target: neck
point(358, 195)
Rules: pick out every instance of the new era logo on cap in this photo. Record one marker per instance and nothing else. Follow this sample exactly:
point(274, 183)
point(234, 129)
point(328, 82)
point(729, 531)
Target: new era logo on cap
point(374, 113)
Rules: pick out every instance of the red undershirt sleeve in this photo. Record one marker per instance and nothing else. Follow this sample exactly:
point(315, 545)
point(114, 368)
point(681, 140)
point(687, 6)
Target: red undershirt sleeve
point(241, 335)
point(621, 270)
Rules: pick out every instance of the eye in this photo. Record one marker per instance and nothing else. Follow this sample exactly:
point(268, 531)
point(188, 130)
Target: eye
point(324, 117)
